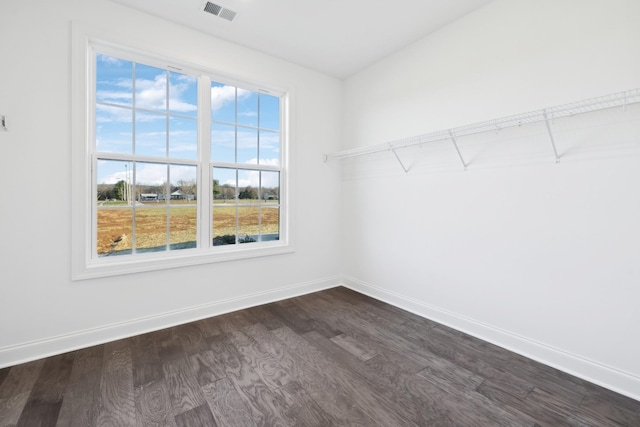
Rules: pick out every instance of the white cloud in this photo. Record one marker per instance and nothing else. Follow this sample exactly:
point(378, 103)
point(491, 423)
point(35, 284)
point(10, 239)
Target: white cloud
point(152, 94)
point(223, 95)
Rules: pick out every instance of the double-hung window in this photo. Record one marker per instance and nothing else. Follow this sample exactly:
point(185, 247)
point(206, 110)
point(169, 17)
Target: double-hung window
point(184, 166)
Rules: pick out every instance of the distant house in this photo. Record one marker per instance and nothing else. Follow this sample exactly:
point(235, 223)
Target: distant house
point(177, 195)
point(147, 197)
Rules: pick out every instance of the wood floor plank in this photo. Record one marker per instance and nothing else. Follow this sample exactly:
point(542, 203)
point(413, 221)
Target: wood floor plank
point(153, 405)
point(624, 410)
point(544, 416)
point(299, 320)
point(302, 408)
point(266, 317)
point(377, 408)
point(269, 369)
point(200, 416)
point(192, 339)
point(356, 347)
point(3, 374)
point(267, 406)
point(319, 383)
point(353, 323)
point(442, 372)
point(117, 401)
point(20, 378)
point(81, 397)
point(169, 344)
point(12, 407)
point(548, 402)
point(384, 387)
point(226, 405)
point(45, 400)
point(234, 321)
point(145, 359)
point(381, 309)
point(470, 356)
point(206, 367)
point(184, 389)
point(209, 327)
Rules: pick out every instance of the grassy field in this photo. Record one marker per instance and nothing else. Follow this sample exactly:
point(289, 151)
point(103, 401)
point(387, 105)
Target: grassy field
point(115, 225)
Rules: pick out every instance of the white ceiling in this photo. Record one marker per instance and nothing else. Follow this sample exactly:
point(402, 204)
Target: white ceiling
point(336, 37)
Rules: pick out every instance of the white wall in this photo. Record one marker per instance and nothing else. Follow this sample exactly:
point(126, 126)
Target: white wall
point(539, 257)
point(41, 310)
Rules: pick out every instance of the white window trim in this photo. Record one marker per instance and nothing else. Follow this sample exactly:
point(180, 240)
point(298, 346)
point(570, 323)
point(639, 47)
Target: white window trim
point(83, 265)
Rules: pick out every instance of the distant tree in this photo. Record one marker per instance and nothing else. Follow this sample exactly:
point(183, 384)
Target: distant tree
point(105, 192)
point(227, 192)
point(248, 193)
point(216, 189)
point(119, 190)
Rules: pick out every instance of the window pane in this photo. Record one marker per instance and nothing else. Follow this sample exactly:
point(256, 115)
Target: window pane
point(114, 181)
point(183, 138)
point(269, 112)
point(114, 80)
point(151, 229)
point(151, 183)
point(114, 229)
point(151, 88)
point(224, 225)
point(270, 222)
point(247, 108)
point(114, 210)
point(270, 187)
point(223, 143)
point(247, 146)
point(269, 148)
point(183, 225)
point(183, 94)
point(248, 224)
point(183, 184)
point(151, 134)
point(114, 130)
point(183, 228)
point(223, 102)
point(248, 187)
point(224, 185)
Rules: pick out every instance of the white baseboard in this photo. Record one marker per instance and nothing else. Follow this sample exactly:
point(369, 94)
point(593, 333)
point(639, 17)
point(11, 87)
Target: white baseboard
point(25, 352)
point(606, 376)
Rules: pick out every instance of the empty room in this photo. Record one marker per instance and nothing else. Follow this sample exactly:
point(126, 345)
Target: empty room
point(304, 213)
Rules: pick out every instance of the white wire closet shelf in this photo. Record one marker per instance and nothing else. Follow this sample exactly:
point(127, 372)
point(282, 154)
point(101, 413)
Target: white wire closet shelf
point(615, 100)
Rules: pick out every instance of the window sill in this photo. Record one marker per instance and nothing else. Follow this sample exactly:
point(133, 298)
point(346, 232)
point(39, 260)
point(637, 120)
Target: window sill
point(116, 266)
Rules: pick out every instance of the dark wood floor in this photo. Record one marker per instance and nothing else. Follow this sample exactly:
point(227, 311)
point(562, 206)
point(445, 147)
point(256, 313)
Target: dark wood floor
point(330, 358)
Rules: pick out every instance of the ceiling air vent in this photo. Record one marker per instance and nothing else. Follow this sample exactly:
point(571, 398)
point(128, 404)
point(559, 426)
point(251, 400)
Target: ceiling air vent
point(227, 14)
point(220, 11)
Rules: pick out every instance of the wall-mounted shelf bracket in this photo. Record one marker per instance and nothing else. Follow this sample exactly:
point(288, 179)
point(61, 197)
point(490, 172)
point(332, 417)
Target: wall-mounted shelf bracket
point(393, 150)
point(455, 144)
point(553, 143)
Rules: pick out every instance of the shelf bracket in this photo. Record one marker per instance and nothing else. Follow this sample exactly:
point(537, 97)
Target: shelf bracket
point(393, 150)
point(553, 143)
point(455, 144)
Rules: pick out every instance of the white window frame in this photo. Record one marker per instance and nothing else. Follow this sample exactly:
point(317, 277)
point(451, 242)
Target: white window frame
point(85, 262)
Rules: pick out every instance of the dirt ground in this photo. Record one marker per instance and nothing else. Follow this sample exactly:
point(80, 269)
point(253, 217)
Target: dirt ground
point(115, 225)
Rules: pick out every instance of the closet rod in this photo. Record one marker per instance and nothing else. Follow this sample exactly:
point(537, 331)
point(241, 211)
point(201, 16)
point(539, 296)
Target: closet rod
point(620, 99)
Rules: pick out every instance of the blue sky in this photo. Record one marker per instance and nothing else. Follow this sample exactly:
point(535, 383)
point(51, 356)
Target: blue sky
point(114, 123)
